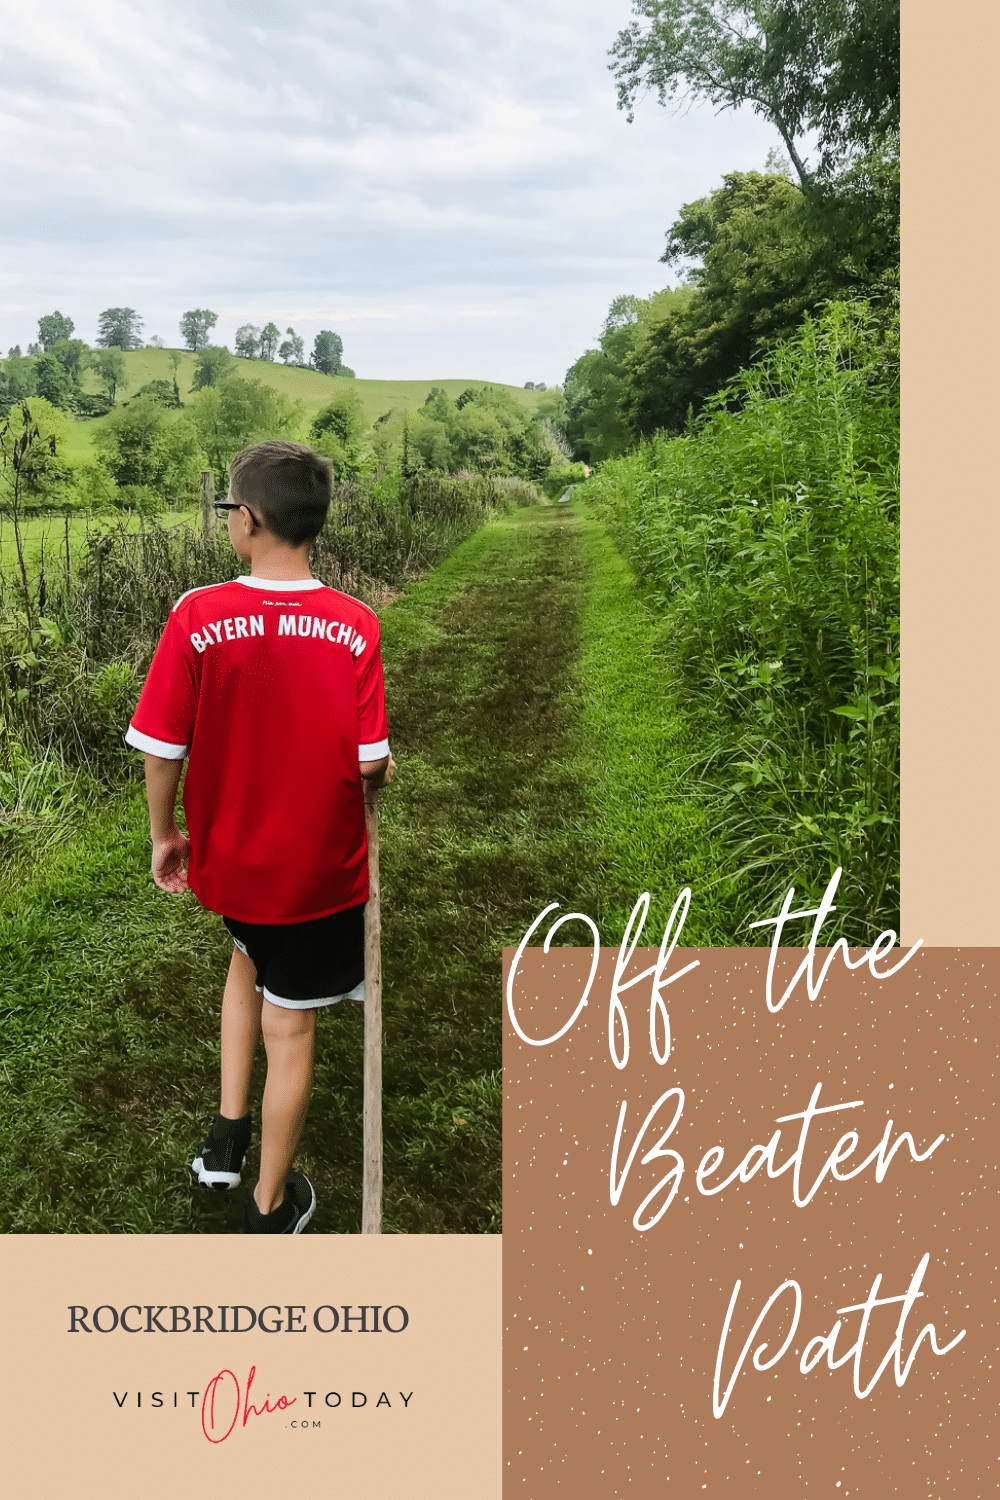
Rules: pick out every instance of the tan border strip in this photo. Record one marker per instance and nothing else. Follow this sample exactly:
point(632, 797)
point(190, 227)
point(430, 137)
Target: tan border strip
point(951, 810)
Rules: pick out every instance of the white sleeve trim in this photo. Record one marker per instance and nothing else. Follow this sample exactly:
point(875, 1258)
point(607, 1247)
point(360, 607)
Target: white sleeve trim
point(198, 589)
point(374, 752)
point(162, 748)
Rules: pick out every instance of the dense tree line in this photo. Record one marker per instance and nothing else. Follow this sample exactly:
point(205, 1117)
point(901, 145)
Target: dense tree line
point(52, 367)
point(485, 430)
point(758, 254)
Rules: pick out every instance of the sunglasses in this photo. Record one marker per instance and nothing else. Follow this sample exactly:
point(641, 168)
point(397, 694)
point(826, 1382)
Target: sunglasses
point(221, 507)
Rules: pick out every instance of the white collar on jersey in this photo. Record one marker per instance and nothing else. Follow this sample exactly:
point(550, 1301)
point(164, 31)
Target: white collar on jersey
point(292, 585)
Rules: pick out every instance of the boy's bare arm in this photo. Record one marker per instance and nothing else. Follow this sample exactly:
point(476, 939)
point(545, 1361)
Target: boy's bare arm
point(378, 772)
point(170, 847)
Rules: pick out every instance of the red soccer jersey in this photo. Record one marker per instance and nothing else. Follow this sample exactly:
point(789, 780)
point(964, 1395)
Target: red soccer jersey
point(275, 690)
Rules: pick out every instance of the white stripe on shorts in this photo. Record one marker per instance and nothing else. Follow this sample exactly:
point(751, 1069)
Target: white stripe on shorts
point(358, 993)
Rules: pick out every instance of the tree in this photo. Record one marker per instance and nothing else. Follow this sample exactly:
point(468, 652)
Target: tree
point(247, 341)
point(113, 371)
point(768, 256)
point(830, 66)
point(18, 381)
point(596, 383)
point(338, 430)
point(211, 367)
point(594, 388)
point(344, 416)
point(237, 412)
point(174, 357)
point(860, 109)
point(490, 433)
point(761, 270)
point(52, 327)
point(327, 349)
point(485, 429)
point(292, 351)
point(270, 334)
point(74, 356)
point(119, 328)
point(552, 409)
point(163, 392)
point(745, 234)
point(138, 444)
point(196, 325)
point(38, 470)
point(53, 383)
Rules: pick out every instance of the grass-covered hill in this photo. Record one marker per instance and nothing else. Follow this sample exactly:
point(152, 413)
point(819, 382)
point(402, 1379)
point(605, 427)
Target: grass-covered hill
point(312, 388)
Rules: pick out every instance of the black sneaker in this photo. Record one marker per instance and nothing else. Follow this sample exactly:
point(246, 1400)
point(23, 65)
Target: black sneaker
point(291, 1216)
point(221, 1157)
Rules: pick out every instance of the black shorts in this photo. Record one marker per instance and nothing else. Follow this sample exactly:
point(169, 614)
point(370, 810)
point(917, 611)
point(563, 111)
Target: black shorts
point(303, 965)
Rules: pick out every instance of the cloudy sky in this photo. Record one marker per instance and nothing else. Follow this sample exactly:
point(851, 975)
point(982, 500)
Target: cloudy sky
point(449, 186)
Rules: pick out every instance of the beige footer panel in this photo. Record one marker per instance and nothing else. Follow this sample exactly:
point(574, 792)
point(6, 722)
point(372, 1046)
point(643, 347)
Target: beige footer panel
point(225, 1367)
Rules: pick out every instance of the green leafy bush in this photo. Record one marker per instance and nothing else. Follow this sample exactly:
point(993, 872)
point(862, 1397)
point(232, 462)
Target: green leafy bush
point(485, 431)
point(46, 477)
point(558, 480)
point(377, 534)
point(141, 448)
point(229, 416)
point(338, 431)
point(88, 405)
point(163, 391)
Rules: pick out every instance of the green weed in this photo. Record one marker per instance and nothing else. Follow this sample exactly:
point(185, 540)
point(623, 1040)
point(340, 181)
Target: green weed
point(767, 539)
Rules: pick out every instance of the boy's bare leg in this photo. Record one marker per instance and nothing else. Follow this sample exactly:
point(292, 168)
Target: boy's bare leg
point(288, 1039)
point(241, 1007)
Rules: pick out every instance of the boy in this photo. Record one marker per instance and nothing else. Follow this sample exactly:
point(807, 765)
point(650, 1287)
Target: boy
point(271, 685)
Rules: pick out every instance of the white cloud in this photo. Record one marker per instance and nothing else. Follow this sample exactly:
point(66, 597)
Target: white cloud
point(452, 188)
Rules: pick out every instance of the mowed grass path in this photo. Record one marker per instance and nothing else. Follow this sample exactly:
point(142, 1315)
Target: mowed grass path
point(540, 759)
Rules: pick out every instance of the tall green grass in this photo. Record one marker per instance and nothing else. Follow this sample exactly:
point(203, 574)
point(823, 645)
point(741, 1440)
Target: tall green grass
point(39, 802)
point(768, 539)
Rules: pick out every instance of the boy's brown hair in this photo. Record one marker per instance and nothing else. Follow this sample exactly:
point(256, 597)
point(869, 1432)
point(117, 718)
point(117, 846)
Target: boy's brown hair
point(288, 483)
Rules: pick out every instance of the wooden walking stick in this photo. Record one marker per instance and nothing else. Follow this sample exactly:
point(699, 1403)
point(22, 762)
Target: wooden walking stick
point(371, 1203)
